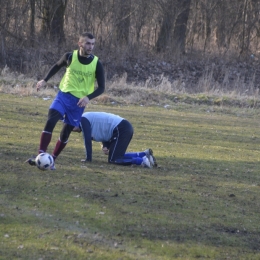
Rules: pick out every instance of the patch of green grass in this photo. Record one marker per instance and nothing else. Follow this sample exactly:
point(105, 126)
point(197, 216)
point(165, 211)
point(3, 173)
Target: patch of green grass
point(202, 202)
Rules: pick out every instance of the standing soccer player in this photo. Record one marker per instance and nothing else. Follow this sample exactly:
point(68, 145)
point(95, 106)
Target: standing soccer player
point(76, 89)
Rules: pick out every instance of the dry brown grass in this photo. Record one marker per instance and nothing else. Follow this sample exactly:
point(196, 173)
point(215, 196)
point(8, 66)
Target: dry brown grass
point(154, 91)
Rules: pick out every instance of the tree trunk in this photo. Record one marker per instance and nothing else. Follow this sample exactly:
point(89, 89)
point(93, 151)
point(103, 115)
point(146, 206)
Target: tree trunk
point(32, 20)
point(167, 24)
point(122, 26)
point(53, 19)
point(244, 47)
point(180, 28)
point(220, 29)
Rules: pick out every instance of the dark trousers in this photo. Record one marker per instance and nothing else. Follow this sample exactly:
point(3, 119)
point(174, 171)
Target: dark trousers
point(122, 136)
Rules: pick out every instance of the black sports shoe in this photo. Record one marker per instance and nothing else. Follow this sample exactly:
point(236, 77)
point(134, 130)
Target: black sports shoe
point(31, 161)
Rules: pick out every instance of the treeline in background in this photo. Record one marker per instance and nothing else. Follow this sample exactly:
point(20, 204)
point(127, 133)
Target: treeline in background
point(34, 32)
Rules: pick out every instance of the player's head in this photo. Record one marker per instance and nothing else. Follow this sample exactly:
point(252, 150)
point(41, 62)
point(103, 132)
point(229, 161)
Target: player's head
point(86, 43)
point(86, 35)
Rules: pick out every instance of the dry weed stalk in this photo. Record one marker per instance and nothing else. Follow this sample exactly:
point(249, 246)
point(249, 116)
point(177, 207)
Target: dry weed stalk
point(152, 89)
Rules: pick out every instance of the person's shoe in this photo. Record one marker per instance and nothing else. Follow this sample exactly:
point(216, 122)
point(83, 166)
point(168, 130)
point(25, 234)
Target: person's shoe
point(153, 161)
point(146, 162)
point(31, 161)
point(148, 152)
point(149, 155)
point(53, 168)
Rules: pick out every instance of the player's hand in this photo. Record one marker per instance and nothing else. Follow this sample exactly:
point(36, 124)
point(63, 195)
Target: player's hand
point(105, 150)
point(83, 102)
point(76, 129)
point(40, 84)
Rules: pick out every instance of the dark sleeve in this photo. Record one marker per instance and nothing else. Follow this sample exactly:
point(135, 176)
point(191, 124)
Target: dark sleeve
point(64, 61)
point(100, 81)
point(86, 131)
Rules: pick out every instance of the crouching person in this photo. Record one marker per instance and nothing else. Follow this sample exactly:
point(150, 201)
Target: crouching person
point(115, 133)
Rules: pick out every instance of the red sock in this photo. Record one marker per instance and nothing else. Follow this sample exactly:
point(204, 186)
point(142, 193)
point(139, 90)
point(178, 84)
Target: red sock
point(58, 148)
point(44, 141)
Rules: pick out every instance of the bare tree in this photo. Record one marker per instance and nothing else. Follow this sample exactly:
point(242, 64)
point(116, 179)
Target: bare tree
point(53, 19)
point(32, 20)
point(208, 8)
point(221, 24)
point(122, 22)
point(167, 23)
point(141, 11)
point(164, 25)
point(180, 28)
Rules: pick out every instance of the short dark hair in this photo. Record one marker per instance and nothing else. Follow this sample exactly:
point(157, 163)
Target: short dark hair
point(87, 34)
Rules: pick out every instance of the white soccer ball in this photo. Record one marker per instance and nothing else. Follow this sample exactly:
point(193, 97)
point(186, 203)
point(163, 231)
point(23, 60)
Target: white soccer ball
point(44, 161)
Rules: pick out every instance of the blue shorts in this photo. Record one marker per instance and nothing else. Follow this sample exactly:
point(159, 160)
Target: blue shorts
point(66, 105)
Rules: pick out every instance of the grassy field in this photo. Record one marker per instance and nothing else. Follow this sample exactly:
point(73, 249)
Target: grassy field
point(202, 202)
